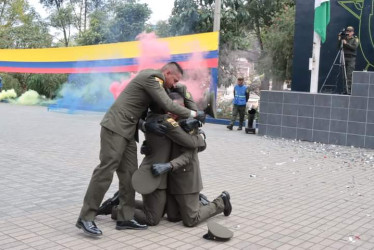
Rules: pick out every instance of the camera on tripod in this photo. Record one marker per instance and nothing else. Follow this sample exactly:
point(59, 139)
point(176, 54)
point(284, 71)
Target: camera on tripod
point(343, 34)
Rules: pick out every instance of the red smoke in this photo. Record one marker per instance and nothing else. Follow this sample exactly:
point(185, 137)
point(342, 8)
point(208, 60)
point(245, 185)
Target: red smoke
point(155, 52)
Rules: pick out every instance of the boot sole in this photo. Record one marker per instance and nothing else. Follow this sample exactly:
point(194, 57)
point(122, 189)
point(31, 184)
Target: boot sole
point(227, 211)
point(86, 232)
point(131, 228)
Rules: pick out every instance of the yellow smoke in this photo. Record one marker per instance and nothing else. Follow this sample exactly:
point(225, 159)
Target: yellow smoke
point(8, 94)
point(30, 97)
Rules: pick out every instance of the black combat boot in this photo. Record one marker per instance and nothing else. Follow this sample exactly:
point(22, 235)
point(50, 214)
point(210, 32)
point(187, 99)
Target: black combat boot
point(230, 126)
point(226, 201)
point(130, 224)
point(106, 207)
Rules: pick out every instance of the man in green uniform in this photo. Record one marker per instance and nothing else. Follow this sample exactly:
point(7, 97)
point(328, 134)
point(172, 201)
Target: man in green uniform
point(159, 147)
point(350, 45)
point(151, 209)
point(118, 145)
point(184, 186)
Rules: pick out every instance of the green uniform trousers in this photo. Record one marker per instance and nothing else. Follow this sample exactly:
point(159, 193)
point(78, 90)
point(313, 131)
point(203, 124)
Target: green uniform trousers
point(117, 154)
point(238, 109)
point(152, 209)
point(187, 207)
point(350, 64)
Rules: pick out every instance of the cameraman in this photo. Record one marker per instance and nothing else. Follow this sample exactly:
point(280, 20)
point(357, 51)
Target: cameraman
point(350, 43)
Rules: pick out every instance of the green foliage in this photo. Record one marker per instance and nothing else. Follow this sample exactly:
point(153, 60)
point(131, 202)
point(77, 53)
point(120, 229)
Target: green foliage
point(129, 20)
point(46, 84)
point(118, 22)
point(163, 29)
point(10, 82)
point(97, 29)
point(189, 17)
point(278, 45)
point(21, 26)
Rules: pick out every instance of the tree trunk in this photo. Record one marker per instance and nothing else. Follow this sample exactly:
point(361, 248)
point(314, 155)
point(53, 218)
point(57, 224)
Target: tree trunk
point(85, 15)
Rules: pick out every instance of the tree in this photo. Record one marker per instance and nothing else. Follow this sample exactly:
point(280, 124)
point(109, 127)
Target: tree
point(276, 59)
point(46, 84)
point(21, 26)
point(81, 11)
point(129, 21)
point(9, 82)
point(98, 28)
point(190, 16)
point(62, 17)
point(116, 22)
point(162, 29)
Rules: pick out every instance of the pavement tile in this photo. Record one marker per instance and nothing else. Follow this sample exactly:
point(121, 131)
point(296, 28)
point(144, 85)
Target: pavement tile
point(285, 194)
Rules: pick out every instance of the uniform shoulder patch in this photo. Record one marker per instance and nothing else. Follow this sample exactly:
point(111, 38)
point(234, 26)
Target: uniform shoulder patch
point(159, 80)
point(172, 122)
point(188, 95)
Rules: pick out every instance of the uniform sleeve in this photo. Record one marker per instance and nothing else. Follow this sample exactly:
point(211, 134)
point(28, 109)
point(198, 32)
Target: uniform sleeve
point(351, 45)
point(153, 86)
point(183, 159)
point(188, 99)
point(180, 137)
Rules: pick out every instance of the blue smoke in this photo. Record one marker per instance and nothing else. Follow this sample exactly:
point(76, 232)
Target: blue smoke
point(87, 92)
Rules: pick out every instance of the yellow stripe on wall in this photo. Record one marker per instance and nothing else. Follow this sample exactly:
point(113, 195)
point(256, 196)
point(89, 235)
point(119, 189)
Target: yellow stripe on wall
point(178, 45)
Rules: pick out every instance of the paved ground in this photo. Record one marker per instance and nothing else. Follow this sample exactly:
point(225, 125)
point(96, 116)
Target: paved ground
point(285, 194)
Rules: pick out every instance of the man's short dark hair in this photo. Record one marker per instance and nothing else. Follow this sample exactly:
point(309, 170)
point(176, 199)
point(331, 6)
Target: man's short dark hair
point(175, 96)
point(174, 65)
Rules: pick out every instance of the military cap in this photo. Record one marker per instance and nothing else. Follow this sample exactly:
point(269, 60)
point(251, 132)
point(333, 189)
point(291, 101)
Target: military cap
point(350, 28)
point(144, 182)
point(218, 232)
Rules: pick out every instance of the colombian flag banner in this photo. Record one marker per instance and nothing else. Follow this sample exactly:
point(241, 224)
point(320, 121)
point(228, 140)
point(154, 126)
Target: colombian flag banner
point(116, 57)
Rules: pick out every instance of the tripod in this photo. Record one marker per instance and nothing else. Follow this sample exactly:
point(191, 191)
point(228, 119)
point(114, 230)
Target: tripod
point(342, 69)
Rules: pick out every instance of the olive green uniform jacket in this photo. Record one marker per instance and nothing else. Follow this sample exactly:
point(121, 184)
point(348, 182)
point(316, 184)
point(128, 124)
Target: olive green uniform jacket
point(118, 147)
point(153, 206)
point(146, 88)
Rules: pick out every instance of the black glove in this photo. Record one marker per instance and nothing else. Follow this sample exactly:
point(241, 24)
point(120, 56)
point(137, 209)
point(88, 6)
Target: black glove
point(200, 116)
point(144, 149)
point(190, 124)
point(160, 168)
point(155, 127)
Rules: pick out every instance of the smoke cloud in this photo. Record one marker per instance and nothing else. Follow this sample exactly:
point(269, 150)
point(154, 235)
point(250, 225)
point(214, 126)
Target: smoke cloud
point(8, 94)
point(98, 91)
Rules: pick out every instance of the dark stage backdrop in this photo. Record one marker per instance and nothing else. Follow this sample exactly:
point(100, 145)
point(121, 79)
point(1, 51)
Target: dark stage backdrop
point(356, 13)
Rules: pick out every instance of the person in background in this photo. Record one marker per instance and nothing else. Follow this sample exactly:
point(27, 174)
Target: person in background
point(241, 95)
point(350, 45)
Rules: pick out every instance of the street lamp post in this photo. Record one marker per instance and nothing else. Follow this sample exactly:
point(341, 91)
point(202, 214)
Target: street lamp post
point(217, 15)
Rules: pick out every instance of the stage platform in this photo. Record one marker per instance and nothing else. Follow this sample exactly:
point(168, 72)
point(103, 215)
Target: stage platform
point(327, 118)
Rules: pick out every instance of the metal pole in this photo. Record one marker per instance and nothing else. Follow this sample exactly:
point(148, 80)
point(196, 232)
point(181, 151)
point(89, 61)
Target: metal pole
point(217, 15)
